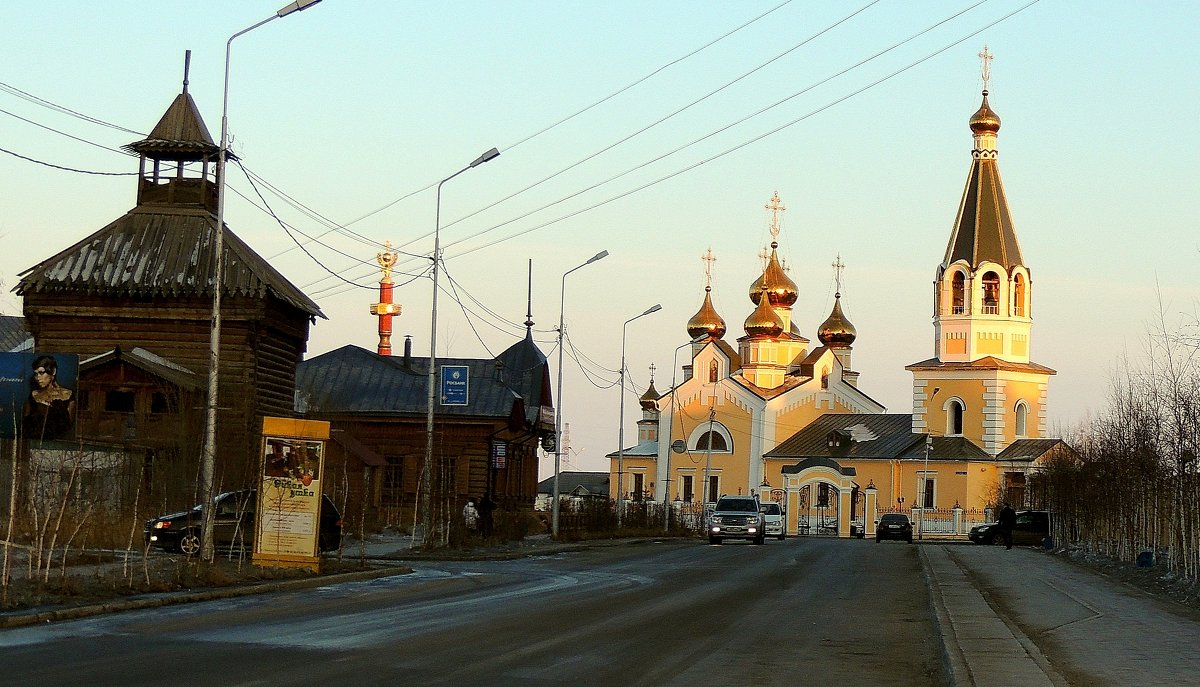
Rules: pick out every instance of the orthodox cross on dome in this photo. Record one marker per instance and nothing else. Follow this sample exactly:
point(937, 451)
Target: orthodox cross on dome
point(776, 207)
point(764, 255)
point(838, 266)
point(986, 58)
point(652, 369)
point(708, 259)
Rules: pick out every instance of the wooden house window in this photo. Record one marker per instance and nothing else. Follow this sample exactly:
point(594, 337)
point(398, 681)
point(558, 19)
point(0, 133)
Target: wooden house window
point(391, 485)
point(119, 401)
point(162, 403)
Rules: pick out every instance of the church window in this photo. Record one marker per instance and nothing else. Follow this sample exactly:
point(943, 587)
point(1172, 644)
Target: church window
point(825, 379)
point(991, 294)
point(714, 481)
point(958, 294)
point(1022, 418)
point(714, 439)
point(954, 418)
point(712, 370)
point(1019, 296)
point(689, 493)
point(639, 486)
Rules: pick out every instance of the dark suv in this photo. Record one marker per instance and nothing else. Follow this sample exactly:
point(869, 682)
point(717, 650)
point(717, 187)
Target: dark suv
point(736, 517)
point(1032, 528)
point(233, 525)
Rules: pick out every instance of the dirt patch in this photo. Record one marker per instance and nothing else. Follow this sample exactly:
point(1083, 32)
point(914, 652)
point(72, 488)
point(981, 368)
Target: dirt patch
point(95, 577)
point(1155, 580)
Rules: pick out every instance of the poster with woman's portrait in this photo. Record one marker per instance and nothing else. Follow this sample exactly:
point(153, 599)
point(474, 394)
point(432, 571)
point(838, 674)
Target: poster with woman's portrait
point(37, 395)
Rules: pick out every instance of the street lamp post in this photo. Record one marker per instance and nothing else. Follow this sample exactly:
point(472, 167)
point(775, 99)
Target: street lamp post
point(670, 431)
point(208, 458)
point(558, 398)
point(621, 424)
point(427, 468)
point(925, 486)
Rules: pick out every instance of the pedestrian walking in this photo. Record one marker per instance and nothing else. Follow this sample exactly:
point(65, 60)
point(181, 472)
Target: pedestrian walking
point(1008, 518)
point(470, 515)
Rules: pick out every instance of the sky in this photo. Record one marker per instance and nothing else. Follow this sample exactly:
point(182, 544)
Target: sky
point(653, 131)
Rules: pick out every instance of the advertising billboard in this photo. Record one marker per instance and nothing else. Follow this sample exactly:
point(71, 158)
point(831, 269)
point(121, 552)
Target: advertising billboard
point(289, 494)
point(37, 395)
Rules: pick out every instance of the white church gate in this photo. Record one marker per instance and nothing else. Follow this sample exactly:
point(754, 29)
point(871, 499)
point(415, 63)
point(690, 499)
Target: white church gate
point(822, 499)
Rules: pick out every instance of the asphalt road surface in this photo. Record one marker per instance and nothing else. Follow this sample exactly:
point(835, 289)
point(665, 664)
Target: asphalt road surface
point(799, 612)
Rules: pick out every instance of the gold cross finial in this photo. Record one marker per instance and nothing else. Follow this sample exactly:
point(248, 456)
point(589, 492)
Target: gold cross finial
point(387, 259)
point(776, 207)
point(838, 266)
point(708, 259)
point(764, 255)
point(986, 58)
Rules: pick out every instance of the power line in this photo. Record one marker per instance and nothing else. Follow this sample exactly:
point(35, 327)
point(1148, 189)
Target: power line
point(67, 169)
point(65, 110)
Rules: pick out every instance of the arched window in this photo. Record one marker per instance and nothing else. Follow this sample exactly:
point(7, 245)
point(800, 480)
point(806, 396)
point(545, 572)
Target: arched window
point(958, 296)
point(1019, 296)
point(1022, 418)
point(954, 418)
point(712, 370)
point(717, 441)
point(991, 294)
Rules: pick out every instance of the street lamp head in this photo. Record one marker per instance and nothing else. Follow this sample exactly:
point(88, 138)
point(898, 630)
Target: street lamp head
point(486, 157)
point(598, 256)
point(295, 7)
point(654, 308)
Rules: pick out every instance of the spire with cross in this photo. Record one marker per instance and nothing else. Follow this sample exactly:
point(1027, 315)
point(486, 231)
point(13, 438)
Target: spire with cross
point(652, 369)
point(776, 207)
point(708, 259)
point(985, 58)
point(838, 266)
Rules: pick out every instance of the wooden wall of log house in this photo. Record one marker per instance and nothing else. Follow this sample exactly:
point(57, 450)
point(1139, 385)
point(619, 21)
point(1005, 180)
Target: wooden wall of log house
point(261, 343)
point(402, 441)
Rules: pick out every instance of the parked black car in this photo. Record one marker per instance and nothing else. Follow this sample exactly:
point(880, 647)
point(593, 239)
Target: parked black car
point(233, 525)
point(1032, 528)
point(894, 526)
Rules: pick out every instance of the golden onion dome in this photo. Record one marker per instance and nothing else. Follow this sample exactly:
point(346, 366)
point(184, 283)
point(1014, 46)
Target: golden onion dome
point(985, 119)
point(649, 400)
point(706, 320)
point(781, 290)
point(763, 321)
point(836, 331)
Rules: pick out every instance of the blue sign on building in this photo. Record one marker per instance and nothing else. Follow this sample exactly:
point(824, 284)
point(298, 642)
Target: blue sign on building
point(455, 387)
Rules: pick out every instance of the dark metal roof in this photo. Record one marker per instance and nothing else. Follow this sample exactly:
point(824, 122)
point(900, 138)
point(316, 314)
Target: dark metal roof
point(874, 436)
point(578, 483)
point(525, 369)
point(162, 252)
point(947, 448)
point(983, 229)
point(1032, 449)
point(817, 461)
point(148, 362)
point(13, 335)
point(354, 381)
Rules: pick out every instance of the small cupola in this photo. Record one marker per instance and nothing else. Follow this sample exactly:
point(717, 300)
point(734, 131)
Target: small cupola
point(179, 138)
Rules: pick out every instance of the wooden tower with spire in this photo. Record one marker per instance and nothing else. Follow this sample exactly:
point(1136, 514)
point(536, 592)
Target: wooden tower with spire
point(981, 384)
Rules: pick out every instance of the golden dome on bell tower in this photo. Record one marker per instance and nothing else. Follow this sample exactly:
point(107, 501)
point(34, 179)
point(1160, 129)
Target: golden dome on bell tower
point(837, 331)
point(985, 119)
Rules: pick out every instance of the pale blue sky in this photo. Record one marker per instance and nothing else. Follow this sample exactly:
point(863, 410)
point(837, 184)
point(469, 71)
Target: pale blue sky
point(352, 105)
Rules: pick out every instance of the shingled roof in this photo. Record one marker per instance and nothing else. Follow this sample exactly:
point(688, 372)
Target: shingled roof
point(162, 251)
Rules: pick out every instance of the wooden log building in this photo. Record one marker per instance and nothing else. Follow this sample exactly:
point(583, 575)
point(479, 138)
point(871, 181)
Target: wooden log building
point(145, 282)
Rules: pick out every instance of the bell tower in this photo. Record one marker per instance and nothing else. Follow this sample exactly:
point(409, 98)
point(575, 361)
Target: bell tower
point(981, 383)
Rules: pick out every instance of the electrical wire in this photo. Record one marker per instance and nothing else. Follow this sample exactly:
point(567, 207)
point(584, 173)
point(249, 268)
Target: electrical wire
point(67, 169)
point(59, 108)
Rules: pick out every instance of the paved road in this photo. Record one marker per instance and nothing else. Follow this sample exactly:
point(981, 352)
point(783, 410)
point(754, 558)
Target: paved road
point(1025, 617)
point(800, 612)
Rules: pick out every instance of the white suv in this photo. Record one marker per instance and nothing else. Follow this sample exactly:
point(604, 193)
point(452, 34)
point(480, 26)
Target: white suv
point(736, 517)
point(774, 524)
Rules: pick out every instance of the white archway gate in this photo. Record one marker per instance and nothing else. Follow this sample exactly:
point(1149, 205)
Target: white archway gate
point(823, 499)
